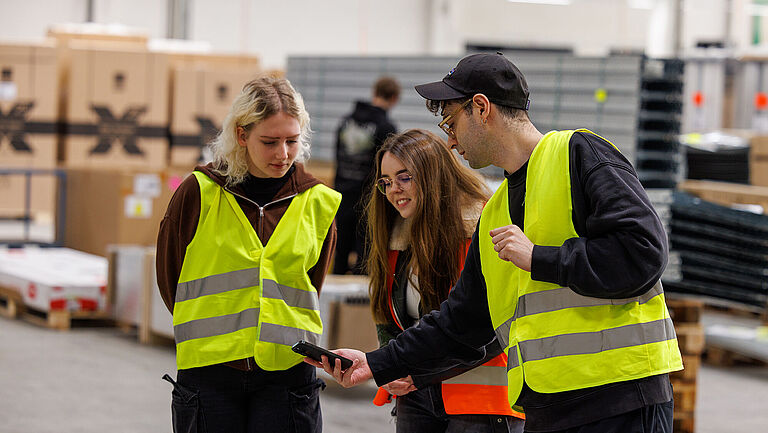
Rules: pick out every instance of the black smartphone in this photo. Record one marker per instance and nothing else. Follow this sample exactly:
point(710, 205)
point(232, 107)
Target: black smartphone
point(311, 351)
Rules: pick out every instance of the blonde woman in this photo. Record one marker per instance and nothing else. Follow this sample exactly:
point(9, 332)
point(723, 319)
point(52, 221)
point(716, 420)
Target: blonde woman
point(242, 253)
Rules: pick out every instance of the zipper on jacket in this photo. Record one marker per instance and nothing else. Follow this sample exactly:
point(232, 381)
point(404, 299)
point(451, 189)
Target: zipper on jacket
point(261, 208)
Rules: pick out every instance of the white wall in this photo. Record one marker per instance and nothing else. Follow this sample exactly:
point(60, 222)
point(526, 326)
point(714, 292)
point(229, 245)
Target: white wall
point(148, 14)
point(275, 29)
point(28, 20)
point(590, 27)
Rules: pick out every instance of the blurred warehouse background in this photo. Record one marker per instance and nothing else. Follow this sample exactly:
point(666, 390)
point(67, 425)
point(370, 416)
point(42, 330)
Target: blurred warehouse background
point(106, 105)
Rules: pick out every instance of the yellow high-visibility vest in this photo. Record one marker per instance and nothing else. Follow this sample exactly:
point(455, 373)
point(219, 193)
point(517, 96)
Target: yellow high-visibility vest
point(237, 298)
point(557, 340)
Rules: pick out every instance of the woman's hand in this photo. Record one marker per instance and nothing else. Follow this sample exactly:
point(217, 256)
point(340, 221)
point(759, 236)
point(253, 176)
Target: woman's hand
point(358, 373)
point(400, 386)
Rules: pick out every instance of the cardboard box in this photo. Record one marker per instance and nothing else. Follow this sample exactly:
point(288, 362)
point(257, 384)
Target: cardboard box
point(28, 128)
point(201, 98)
point(116, 207)
point(116, 109)
point(65, 33)
point(758, 161)
point(55, 279)
point(242, 62)
point(325, 171)
point(727, 194)
point(351, 325)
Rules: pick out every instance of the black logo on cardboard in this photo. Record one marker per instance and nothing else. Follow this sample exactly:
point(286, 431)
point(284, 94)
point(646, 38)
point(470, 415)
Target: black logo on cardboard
point(208, 132)
point(124, 129)
point(14, 126)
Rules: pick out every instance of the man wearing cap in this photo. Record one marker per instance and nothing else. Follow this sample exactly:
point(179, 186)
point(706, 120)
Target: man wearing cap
point(564, 269)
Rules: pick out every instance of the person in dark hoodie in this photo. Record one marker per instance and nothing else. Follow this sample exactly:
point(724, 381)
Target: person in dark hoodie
point(359, 135)
point(242, 253)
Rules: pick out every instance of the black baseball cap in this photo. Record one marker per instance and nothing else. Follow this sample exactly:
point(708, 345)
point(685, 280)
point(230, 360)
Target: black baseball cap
point(493, 75)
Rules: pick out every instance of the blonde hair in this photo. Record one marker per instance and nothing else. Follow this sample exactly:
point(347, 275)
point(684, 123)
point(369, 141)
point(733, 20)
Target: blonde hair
point(260, 98)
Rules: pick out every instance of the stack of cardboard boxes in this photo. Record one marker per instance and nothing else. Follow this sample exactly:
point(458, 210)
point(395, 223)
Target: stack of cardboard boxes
point(28, 129)
point(202, 90)
point(126, 124)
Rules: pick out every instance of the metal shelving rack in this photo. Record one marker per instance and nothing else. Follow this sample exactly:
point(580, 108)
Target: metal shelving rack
point(603, 94)
point(27, 218)
point(659, 158)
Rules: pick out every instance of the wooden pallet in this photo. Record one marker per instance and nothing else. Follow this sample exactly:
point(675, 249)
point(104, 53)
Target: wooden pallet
point(741, 311)
point(11, 303)
point(690, 338)
point(685, 397)
point(684, 310)
point(727, 358)
point(62, 319)
point(684, 417)
point(12, 306)
point(721, 305)
point(690, 372)
point(683, 425)
point(686, 315)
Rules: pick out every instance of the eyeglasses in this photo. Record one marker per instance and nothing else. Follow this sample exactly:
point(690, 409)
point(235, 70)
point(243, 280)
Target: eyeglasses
point(448, 129)
point(403, 181)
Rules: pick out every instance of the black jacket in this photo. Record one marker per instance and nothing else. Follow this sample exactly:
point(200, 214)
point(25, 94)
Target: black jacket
point(389, 331)
point(358, 137)
point(621, 252)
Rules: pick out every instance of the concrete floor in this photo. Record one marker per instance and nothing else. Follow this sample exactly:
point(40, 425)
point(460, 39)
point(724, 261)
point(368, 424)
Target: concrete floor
point(97, 379)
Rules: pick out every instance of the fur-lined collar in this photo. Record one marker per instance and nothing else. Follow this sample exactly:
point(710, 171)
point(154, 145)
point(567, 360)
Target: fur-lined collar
point(398, 239)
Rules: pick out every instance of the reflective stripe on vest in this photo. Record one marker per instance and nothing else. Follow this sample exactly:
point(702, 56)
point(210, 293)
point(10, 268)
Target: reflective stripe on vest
point(555, 339)
point(562, 298)
point(236, 298)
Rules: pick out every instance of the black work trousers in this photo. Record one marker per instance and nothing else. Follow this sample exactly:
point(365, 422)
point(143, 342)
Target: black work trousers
point(422, 411)
point(350, 234)
point(654, 418)
point(222, 399)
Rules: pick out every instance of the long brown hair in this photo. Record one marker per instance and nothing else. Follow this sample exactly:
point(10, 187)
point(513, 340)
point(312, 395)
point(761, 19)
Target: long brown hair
point(443, 187)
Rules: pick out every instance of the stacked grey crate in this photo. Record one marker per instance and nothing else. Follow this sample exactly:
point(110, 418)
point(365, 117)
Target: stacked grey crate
point(661, 199)
point(567, 92)
point(750, 92)
point(723, 252)
point(658, 159)
point(331, 85)
point(704, 91)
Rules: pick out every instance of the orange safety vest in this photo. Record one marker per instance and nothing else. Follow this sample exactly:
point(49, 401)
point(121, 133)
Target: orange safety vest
point(469, 392)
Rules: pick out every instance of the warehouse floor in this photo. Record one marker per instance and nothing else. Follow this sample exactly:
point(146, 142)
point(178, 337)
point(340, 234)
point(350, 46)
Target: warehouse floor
point(100, 379)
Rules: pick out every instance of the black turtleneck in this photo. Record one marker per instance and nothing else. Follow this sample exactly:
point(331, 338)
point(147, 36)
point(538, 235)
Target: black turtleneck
point(263, 189)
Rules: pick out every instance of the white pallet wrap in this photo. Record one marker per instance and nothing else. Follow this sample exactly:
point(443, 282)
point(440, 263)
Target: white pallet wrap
point(55, 279)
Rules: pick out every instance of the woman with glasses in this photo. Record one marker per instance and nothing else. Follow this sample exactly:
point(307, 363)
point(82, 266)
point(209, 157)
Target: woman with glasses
point(421, 215)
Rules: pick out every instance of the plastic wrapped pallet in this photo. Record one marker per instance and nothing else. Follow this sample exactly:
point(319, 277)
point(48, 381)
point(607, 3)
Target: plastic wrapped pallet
point(56, 280)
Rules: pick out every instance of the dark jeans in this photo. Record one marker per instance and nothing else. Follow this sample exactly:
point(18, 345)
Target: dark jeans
point(422, 411)
point(218, 398)
point(350, 234)
point(655, 418)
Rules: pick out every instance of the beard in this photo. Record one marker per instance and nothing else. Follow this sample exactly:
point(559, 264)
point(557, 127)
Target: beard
point(480, 153)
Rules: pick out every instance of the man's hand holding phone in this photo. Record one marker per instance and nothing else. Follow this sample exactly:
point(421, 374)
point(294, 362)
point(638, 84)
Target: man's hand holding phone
point(356, 374)
point(316, 353)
